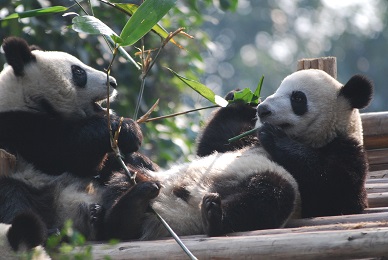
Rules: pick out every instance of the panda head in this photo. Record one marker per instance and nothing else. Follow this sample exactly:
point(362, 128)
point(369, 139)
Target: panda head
point(314, 108)
point(50, 82)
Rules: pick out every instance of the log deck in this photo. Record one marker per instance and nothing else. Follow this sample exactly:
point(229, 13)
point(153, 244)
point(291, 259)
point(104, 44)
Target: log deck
point(359, 236)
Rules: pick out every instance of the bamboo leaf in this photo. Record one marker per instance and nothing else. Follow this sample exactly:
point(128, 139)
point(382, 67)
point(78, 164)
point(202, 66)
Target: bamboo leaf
point(202, 90)
point(256, 94)
point(130, 9)
point(247, 96)
point(92, 25)
point(244, 95)
point(36, 12)
point(144, 19)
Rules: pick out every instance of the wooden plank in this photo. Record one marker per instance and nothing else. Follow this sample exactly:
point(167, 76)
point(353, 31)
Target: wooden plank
point(378, 199)
point(318, 221)
point(368, 242)
point(375, 129)
point(377, 187)
point(377, 175)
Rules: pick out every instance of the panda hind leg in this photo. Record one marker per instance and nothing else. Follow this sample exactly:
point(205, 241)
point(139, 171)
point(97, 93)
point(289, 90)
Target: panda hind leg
point(124, 219)
point(262, 201)
point(27, 231)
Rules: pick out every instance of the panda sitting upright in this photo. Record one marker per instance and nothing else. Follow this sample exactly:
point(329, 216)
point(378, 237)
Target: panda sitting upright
point(311, 127)
point(50, 111)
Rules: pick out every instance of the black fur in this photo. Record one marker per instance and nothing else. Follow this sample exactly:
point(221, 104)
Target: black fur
point(182, 193)
point(330, 179)
point(358, 90)
point(17, 197)
point(80, 78)
point(26, 229)
point(56, 145)
point(259, 202)
point(18, 54)
point(299, 103)
point(226, 123)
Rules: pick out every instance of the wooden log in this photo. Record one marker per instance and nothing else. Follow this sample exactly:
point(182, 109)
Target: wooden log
point(376, 187)
point(378, 159)
point(7, 162)
point(375, 128)
point(378, 199)
point(327, 64)
point(318, 221)
point(369, 242)
point(377, 175)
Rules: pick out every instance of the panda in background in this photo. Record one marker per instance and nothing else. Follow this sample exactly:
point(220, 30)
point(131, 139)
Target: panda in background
point(311, 127)
point(51, 114)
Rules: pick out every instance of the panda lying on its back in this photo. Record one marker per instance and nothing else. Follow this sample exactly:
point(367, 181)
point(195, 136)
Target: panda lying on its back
point(50, 111)
point(313, 129)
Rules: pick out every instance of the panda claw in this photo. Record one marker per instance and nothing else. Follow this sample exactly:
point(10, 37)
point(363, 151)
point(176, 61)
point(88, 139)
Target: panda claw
point(96, 213)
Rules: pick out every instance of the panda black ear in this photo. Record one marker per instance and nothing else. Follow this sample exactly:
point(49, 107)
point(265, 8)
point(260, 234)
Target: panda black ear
point(18, 53)
point(358, 90)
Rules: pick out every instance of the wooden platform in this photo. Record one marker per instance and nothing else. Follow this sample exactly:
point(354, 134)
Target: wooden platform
point(339, 237)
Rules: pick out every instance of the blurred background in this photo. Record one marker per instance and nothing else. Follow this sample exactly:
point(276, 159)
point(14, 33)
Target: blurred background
point(235, 43)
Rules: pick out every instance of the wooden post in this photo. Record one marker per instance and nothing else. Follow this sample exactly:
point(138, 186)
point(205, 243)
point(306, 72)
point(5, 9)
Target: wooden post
point(327, 64)
point(7, 162)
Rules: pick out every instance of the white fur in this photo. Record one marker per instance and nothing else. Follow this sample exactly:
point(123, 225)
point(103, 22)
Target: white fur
point(50, 77)
point(328, 113)
point(197, 177)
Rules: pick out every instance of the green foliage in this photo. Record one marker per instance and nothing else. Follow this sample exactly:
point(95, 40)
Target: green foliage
point(37, 12)
point(144, 19)
point(247, 96)
point(202, 90)
point(68, 244)
point(165, 140)
point(91, 25)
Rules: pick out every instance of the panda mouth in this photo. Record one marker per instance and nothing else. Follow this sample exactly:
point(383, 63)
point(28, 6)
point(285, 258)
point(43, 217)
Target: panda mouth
point(97, 105)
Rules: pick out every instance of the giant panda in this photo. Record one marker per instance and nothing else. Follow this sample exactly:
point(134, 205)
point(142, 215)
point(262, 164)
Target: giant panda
point(51, 114)
point(51, 121)
point(311, 127)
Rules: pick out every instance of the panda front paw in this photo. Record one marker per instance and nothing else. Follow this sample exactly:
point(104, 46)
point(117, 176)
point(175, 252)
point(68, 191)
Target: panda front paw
point(212, 214)
point(96, 213)
point(148, 189)
point(130, 137)
point(269, 135)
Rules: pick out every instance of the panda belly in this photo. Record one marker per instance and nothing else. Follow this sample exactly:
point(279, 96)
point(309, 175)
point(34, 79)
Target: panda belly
point(221, 193)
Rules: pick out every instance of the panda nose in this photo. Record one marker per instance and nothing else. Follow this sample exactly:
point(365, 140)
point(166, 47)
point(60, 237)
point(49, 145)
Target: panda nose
point(112, 83)
point(263, 111)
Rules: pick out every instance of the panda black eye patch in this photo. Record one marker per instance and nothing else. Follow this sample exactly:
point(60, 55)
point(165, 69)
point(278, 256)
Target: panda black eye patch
point(79, 76)
point(299, 102)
